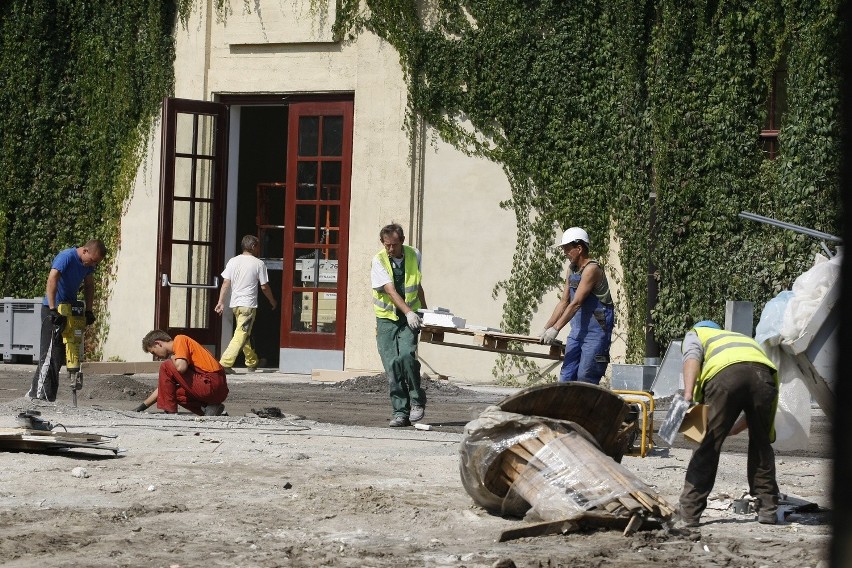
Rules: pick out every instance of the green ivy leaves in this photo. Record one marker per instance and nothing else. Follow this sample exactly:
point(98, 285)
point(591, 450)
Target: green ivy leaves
point(80, 83)
point(590, 107)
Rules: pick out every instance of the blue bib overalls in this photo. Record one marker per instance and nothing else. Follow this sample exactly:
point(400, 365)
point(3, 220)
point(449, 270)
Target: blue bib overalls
point(587, 346)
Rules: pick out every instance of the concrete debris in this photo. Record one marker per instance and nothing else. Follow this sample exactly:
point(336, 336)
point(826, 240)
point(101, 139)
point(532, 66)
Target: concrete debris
point(80, 472)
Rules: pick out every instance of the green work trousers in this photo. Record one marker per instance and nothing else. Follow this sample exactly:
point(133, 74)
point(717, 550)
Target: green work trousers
point(397, 345)
point(242, 339)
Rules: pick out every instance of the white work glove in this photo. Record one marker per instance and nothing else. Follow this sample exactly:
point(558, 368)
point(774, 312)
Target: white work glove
point(548, 335)
point(414, 320)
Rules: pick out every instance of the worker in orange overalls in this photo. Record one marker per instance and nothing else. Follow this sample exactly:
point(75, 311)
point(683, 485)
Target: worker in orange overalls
point(190, 376)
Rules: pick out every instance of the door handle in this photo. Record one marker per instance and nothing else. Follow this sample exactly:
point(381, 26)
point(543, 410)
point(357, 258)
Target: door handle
point(164, 281)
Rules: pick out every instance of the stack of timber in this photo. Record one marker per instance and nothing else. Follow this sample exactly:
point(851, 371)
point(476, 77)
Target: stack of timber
point(554, 469)
point(33, 440)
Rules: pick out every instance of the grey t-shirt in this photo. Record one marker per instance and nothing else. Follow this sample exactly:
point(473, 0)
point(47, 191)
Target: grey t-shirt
point(691, 347)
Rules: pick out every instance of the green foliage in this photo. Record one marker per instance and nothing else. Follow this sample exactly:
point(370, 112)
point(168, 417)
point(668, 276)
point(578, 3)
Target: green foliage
point(590, 107)
point(80, 84)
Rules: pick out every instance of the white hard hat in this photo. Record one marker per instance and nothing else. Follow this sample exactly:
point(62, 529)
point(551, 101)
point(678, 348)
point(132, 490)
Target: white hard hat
point(572, 235)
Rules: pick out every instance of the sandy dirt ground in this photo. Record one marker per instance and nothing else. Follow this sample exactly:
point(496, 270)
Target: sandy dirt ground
point(328, 484)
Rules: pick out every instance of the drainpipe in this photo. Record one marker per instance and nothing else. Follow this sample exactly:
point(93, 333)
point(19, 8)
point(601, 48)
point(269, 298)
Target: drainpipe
point(652, 349)
point(417, 144)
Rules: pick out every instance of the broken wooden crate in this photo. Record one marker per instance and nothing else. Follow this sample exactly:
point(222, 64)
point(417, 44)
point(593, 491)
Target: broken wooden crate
point(551, 468)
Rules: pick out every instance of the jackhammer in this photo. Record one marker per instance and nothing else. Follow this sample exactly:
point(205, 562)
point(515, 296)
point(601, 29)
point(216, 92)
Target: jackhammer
point(72, 336)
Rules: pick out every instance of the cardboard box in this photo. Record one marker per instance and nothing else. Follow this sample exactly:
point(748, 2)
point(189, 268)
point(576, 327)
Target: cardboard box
point(694, 425)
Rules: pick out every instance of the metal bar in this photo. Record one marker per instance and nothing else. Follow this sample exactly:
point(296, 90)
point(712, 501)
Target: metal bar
point(790, 226)
point(165, 282)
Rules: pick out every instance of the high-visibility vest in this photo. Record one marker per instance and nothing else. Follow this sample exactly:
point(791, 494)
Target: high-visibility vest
point(723, 349)
point(382, 303)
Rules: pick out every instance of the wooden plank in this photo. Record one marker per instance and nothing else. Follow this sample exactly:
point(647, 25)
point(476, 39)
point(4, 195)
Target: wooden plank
point(633, 525)
point(585, 520)
point(540, 529)
point(42, 440)
point(491, 350)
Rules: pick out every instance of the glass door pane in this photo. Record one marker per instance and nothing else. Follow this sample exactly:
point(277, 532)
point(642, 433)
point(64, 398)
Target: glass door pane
point(191, 228)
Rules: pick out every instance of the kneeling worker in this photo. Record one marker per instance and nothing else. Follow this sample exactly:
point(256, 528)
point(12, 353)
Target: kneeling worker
point(190, 376)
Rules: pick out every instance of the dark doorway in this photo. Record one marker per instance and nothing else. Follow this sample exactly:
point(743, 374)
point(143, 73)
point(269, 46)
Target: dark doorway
point(262, 159)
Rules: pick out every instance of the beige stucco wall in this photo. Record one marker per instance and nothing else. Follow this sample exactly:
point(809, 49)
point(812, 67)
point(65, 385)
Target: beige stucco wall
point(466, 239)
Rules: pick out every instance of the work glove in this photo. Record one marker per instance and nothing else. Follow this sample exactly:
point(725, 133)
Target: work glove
point(548, 335)
point(414, 321)
point(57, 319)
point(141, 408)
point(90, 317)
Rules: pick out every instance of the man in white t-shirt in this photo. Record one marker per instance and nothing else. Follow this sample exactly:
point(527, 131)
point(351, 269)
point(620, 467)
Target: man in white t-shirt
point(242, 276)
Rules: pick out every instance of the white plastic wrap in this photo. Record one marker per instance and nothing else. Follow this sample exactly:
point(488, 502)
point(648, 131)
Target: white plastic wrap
point(808, 290)
point(768, 330)
point(562, 480)
point(793, 416)
point(486, 438)
point(569, 474)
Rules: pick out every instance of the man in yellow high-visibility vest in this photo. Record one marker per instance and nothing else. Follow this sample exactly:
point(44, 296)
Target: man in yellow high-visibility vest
point(730, 373)
point(397, 295)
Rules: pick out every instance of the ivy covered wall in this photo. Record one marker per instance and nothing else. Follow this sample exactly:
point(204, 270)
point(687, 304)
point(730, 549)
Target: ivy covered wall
point(591, 107)
point(79, 88)
point(588, 106)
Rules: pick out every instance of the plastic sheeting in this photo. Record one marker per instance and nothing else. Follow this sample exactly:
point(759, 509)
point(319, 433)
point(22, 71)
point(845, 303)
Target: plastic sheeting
point(784, 318)
point(808, 290)
point(567, 476)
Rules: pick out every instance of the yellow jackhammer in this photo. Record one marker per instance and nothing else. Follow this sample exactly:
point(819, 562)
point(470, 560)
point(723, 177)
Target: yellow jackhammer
point(72, 337)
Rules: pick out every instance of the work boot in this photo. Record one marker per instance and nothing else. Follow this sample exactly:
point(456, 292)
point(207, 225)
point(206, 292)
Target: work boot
point(229, 371)
point(213, 409)
point(686, 524)
point(683, 522)
point(417, 413)
point(399, 421)
point(767, 517)
point(767, 509)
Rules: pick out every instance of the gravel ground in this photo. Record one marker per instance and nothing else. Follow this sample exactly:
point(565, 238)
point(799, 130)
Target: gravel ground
point(328, 484)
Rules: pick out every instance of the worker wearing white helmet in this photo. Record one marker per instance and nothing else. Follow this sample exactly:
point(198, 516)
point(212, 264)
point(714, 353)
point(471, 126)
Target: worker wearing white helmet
point(587, 303)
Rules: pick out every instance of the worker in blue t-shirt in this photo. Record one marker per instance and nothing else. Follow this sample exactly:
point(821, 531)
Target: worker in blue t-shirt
point(70, 269)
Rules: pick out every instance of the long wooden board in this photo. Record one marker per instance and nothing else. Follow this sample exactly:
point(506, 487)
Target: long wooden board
point(586, 520)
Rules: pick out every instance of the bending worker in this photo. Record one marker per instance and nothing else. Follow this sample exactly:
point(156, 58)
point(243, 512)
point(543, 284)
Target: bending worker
point(397, 295)
point(587, 304)
point(190, 376)
point(729, 372)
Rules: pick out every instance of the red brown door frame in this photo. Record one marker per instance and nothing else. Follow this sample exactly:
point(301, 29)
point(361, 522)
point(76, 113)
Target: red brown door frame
point(328, 204)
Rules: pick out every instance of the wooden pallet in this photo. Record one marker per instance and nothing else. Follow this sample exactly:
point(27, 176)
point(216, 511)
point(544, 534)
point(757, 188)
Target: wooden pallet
point(492, 341)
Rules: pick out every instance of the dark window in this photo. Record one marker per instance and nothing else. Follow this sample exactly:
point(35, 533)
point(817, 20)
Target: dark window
point(777, 108)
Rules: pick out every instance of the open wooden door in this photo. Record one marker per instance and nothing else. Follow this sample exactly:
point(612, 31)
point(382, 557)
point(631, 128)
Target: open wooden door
point(191, 227)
